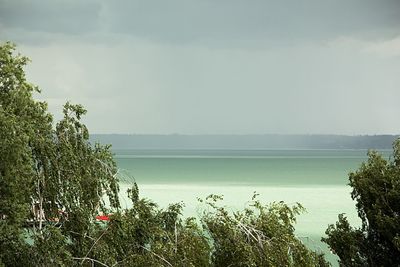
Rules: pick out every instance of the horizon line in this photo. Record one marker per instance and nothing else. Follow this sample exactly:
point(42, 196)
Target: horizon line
point(266, 134)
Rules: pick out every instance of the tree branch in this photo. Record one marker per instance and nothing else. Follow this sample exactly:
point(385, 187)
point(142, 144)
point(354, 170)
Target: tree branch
point(90, 259)
point(95, 242)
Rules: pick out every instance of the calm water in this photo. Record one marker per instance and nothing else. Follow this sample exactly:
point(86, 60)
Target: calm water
point(315, 178)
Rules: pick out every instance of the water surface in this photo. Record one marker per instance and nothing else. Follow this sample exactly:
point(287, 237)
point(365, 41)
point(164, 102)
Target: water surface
point(315, 178)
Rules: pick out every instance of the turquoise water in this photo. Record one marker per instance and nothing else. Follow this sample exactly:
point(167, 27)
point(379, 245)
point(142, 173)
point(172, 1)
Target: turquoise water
point(276, 167)
point(315, 178)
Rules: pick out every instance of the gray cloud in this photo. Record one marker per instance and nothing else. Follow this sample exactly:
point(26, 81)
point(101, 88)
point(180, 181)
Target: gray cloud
point(68, 17)
point(206, 21)
point(182, 20)
point(215, 66)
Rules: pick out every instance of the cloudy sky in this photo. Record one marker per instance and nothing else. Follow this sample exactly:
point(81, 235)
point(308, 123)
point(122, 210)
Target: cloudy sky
point(215, 66)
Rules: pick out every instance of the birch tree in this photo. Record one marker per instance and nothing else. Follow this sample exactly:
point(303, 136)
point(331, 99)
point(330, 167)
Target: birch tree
point(48, 175)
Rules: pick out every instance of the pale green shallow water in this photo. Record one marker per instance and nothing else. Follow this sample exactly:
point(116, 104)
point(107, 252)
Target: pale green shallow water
point(315, 178)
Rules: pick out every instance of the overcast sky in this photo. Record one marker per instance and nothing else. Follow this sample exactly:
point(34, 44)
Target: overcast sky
point(215, 66)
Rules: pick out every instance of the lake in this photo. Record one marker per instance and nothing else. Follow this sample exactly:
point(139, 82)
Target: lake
point(315, 178)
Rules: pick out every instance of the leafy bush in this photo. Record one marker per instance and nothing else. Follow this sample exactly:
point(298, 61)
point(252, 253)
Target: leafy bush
point(376, 190)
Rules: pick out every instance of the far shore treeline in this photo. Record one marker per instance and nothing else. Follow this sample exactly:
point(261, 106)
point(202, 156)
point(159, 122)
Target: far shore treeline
point(245, 142)
point(59, 203)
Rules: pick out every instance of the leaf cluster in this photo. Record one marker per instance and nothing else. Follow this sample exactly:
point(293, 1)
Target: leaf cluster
point(376, 190)
point(260, 235)
point(48, 175)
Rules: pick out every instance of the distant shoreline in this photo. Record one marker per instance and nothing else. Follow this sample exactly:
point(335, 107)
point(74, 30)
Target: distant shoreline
point(245, 142)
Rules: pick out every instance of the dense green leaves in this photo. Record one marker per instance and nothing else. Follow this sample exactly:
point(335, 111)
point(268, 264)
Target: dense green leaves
point(376, 190)
point(21, 119)
point(261, 235)
point(145, 235)
point(46, 174)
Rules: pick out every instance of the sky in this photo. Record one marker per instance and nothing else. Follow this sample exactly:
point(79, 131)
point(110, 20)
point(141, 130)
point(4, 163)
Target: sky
point(215, 66)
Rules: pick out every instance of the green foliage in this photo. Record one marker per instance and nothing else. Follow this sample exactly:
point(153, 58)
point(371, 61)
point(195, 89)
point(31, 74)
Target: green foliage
point(14, 251)
point(17, 111)
point(50, 249)
point(258, 236)
point(145, 235)
point(45, 171)
point(19, 114)
point(376, 190)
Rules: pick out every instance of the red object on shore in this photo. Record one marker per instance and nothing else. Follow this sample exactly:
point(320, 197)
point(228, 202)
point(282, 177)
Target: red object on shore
point(102, 218)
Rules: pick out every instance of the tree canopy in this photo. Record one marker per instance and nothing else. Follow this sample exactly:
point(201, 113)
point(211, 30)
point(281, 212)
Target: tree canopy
point(46, 171)
point(376, 190)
